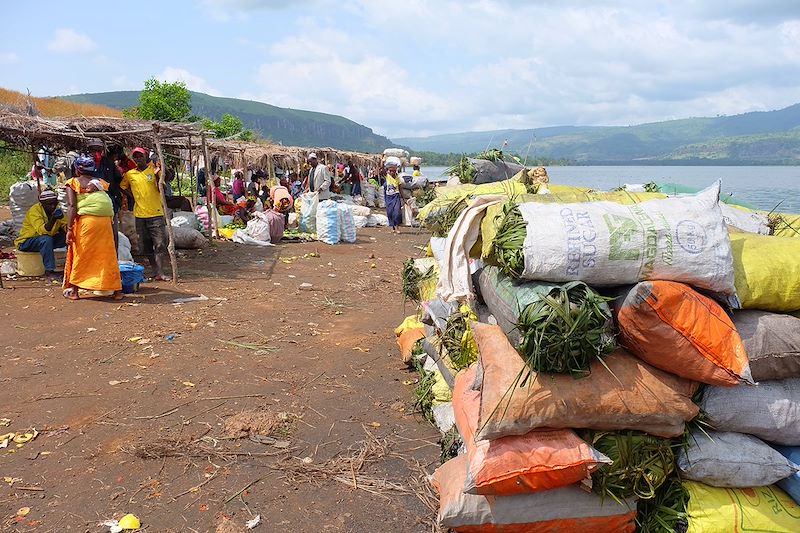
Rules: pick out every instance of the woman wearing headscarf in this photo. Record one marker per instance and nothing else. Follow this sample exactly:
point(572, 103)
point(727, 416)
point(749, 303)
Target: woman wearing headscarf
point(391, 191)
point(91, 254)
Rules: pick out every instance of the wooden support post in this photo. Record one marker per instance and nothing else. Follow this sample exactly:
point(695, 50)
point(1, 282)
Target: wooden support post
point(191, 174)
point(170, 232)
point(211, 205)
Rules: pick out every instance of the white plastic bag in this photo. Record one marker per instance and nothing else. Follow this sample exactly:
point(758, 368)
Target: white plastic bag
point(604, 243)
point(258, 230)
point(308, 212)
point(370, 194)
point(360, 222)
point(327, 222)
point(242, 237)
point(185, 219)
point(22, 196)
point(347, 224)
point(124, 248)
point(376, 219)
point(744, 220)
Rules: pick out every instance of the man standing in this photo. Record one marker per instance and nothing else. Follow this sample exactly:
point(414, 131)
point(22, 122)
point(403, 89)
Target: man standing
point(142, 183)
point(319, 178)
point(43, 230)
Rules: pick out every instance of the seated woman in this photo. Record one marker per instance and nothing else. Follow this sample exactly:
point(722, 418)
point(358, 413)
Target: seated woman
point(91, 253)
point(223, 205)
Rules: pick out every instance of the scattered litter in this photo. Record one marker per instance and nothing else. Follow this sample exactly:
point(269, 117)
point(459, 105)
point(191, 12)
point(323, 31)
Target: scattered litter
point(23, 511)
point(187, 384)
point(375, 424)
point(114, 382)
point(89, 330)
point(373, 265)
point(331, 275)
point(18, 438)
point(307, 460)
point(292, 276)
point(254, 522)
point(134, 339)
point(306, 286)
point(170, 337)
point(130, 522)
point(360, 349)
point(4, 422)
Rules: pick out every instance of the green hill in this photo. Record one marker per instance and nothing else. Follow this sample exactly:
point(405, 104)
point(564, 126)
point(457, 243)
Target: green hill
point(292, 127)
point(769, 137)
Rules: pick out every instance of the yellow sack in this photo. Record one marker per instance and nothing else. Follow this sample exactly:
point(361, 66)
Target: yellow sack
point(784, 224)
point(410, 322)
point(766, 271)
point(509, 187)
point(441, 391)
point(559, 194)
point(760, 509)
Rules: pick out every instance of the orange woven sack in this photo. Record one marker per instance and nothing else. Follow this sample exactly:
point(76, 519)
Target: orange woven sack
point(539, 460)
point(564, 510)
point(407, 340)
point(622, 392)
point(677, 329)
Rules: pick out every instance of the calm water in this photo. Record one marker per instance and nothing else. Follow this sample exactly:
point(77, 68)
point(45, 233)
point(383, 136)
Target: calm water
point(762, 187)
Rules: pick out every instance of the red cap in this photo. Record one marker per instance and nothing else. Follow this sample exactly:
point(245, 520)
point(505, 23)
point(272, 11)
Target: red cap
point(140, 150)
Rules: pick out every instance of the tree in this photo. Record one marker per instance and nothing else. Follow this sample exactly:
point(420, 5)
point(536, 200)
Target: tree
point(228, 126)
point(170, 102)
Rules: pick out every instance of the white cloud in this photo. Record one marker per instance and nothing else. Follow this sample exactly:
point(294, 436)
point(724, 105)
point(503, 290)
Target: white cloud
point(122, 82)
point(193, 82)
point(8, 58)
point(333, 72)
point(69, 41)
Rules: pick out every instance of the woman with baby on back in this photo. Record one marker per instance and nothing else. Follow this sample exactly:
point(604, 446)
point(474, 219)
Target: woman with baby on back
point(91, 254)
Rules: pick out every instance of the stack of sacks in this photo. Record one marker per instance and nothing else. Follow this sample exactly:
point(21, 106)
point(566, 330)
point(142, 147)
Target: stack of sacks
point(552, 409)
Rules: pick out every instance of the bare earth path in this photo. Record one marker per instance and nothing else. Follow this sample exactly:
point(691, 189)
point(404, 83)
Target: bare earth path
point(264, 399)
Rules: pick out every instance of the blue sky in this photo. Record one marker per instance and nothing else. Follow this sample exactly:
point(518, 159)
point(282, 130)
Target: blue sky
point(423, 67)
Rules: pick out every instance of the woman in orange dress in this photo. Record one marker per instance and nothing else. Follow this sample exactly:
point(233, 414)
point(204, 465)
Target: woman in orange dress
point(91, 255)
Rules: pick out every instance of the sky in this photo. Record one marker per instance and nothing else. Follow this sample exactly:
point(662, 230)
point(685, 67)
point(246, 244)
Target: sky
point(418, 68)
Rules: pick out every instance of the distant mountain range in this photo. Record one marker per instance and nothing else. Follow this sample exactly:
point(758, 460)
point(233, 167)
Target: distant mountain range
point(770, 137)
point(292, 127)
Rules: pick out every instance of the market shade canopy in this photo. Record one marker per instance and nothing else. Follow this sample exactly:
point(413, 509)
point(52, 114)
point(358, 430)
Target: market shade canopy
point(72, 133)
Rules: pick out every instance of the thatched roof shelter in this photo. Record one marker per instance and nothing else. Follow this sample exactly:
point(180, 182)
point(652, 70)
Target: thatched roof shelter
point(73, 133)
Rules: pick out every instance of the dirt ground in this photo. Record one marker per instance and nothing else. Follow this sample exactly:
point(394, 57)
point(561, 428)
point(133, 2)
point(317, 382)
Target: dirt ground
point(266, 399)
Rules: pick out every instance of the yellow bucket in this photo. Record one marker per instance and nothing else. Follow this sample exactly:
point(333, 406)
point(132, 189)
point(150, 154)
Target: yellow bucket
point(29, 263)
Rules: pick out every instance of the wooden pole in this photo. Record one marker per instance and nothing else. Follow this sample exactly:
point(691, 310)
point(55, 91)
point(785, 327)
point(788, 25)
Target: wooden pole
point(191, 174)
point(212, 205)
point(170, 231)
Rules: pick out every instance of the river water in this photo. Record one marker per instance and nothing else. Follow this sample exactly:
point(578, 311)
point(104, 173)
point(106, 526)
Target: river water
point(764, 187)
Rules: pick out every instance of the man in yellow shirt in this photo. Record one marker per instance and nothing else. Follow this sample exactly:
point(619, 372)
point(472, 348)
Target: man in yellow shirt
point(142, 183)
point(43, 230)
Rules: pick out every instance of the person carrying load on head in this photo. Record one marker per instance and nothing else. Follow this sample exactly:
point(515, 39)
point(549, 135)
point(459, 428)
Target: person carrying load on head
point(43, 230)
point(282, 201)
point(391, 191)
point(91, 255)
point(142, 183)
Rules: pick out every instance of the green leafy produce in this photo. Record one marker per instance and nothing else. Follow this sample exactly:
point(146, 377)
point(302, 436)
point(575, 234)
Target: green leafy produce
point(641, 464)
point(423, 391)
point(441, 221)
point(412, 279)
point(456, 343)
point(565, 331)
point(666, 512)
point(463, 170)
point(507, 247)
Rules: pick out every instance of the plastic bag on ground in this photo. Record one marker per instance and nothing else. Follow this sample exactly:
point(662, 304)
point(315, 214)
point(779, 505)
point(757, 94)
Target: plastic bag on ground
point(347, 223)
point(772, 343)
point(538, 460)
point(622, 392)
point(185, 219)
point(727, 459)
point(566, 509)
point(328, 230)
point(769, 410)
point(258, 229)
point(677, 329)
point(360, 222)
point(377, 219)
point(188, 238)
point(124, 249)
point(308, 212)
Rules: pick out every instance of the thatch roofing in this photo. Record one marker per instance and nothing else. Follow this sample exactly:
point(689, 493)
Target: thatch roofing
point(73, 134)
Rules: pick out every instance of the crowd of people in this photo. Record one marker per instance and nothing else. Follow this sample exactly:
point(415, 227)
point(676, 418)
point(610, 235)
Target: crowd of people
point(103, 180)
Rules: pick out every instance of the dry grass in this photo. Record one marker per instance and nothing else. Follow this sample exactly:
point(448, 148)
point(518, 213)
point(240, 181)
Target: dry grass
point(56, 107)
